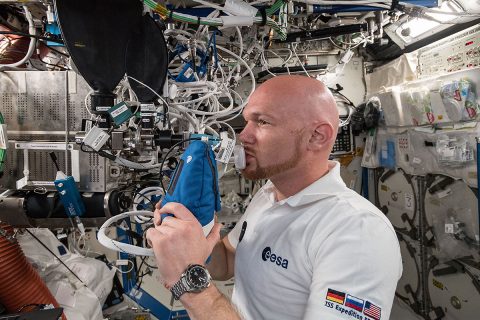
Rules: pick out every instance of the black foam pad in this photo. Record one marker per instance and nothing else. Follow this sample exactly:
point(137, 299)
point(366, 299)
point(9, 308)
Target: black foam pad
point(96, 34)
point(146, 59)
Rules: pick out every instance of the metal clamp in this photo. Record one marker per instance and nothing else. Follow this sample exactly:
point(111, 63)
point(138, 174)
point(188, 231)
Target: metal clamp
point(10, 237)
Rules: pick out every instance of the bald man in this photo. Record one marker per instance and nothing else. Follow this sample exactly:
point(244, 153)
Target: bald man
point(307, 247)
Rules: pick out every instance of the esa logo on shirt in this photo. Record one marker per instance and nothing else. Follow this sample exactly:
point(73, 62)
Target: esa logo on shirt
point(267, 255)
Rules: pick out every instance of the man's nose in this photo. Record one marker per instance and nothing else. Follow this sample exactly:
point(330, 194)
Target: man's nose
point(246, 136)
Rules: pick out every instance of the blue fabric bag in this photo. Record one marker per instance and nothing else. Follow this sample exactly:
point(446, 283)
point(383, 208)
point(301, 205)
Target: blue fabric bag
point(195, 184)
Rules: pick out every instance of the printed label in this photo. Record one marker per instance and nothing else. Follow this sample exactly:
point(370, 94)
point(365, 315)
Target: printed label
point(88, 125)
point(226, 150)
point(448, 228)
point(408, 201)
point(188, 73)
point(119, 111)
point(150, 107)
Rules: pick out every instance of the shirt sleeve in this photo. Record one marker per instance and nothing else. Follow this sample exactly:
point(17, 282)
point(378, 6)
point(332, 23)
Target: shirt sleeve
point(355, 271)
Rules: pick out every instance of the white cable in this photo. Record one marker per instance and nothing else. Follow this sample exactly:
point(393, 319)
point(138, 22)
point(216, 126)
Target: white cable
point(248, 69)
point(33, 41)
point(86, 104)
point(79, 250)
point(202, 29)
point(240, 41)
point(234, 136)
point(143, 84)
point(129, 270)
point(265, 63)
point(239, 110)
point(135, 165)
point(209, 4)
point(380, 4)
point(186, 85)
point(258, 2)
point(284, 61)
point(192, 121)
point(120, 246)
point(145, 193)
point(294, 50)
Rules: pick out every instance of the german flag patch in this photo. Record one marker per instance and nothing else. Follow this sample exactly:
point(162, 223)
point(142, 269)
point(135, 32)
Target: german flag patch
point(335, 296)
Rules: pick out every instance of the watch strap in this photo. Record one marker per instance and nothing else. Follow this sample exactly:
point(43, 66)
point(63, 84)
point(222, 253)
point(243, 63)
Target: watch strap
point(179, 288)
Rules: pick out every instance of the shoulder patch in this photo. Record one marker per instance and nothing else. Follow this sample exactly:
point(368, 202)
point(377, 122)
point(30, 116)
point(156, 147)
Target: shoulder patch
point(352, 306)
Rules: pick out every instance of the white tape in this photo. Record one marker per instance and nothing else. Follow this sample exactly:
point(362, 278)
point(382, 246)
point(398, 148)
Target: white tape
point(240, 8)
point(3, 136)
point(234, 21)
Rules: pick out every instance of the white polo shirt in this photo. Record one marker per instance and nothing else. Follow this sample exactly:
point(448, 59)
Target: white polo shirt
point(324, 253)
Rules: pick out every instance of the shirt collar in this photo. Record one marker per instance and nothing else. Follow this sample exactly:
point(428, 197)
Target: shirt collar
point(327, 186)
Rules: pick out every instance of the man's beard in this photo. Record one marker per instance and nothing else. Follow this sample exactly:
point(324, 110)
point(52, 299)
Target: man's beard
point(272, 170)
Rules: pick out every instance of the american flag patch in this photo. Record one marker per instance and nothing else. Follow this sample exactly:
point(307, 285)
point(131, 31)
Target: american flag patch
point(372, 310)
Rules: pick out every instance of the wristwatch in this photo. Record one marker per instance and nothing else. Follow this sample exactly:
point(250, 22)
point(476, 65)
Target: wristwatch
point(195, 279)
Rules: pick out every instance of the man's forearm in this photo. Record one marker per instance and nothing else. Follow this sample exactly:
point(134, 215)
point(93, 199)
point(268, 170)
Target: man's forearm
point(210, 304)
point(218, 266)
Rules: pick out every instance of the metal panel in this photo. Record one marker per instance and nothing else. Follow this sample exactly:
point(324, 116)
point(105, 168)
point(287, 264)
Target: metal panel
point(35, 101)
point(47, 106)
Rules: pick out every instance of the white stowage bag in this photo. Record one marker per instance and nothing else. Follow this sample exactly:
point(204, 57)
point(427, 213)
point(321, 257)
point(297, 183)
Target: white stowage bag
point(81, 301)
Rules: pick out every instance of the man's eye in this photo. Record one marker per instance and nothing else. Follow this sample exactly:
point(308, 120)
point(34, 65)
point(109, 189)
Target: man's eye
point(261, 122)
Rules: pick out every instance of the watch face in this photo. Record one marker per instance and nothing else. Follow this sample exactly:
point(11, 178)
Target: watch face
point(198, 277)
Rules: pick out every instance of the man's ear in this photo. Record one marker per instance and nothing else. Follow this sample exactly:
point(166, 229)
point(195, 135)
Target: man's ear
point(322, 136)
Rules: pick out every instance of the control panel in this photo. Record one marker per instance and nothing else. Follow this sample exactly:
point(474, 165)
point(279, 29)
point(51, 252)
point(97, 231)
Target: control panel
point(344, 141)
point(457, 52)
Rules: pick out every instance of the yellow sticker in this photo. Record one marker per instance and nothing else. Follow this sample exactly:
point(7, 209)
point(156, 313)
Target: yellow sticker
point(384, 187)
point(437, 284)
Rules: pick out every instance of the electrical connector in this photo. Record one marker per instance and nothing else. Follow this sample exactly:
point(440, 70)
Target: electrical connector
point(50, 15)
point(120, 113)
point(80, 225)
point(121, 262)
point(96, 138)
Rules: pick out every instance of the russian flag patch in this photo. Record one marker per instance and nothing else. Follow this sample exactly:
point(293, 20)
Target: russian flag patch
point(354, 303)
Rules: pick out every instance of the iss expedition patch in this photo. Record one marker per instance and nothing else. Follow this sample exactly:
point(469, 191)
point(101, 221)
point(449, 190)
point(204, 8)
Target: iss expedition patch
point(351, 306)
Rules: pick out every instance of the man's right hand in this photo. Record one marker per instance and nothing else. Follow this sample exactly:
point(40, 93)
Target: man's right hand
point(179, 241)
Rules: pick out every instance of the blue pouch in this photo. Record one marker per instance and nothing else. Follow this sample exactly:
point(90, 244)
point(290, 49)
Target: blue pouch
point(195, 184)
